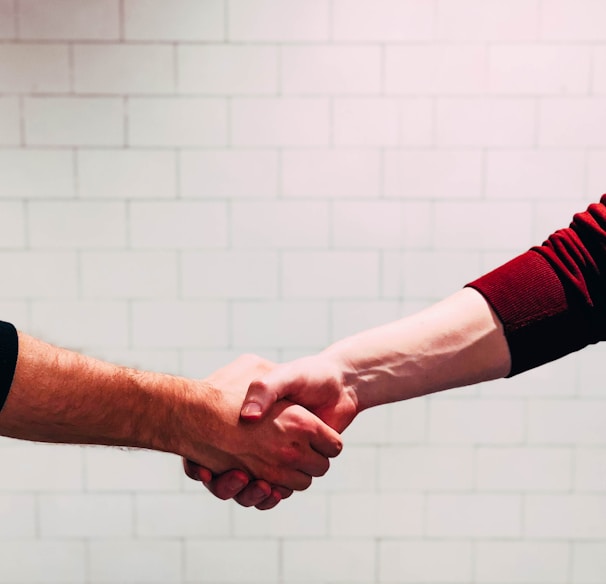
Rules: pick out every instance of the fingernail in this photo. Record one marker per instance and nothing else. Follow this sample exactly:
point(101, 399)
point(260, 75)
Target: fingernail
point(251, 409)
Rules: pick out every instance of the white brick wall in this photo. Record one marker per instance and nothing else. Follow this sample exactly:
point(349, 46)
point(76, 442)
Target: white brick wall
point(184, 181)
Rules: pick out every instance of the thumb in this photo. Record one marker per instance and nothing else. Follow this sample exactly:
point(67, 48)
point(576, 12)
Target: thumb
point(258, 401)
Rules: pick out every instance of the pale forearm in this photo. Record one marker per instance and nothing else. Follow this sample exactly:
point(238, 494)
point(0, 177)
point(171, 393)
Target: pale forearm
point(456, 342)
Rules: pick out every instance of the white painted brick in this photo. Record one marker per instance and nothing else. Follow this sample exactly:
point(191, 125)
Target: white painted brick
point(36, 173)
point(74, 121)
point(435, 69)
point(336, 69)
point(162, 361)
point(278, 20)
point(8, 19)
point(567, 422)
point(596, 173)
point(425, 468)
point(418, 225)
point(425, 275)
point(229, 274)
point(281, 324)
point(468, 421)
point(40, 467)
point(131, 562)
point(181, 20)
point(598, 82)
point(569, 516)
point(10, 121)
point(524, 469)
point(366, 121)
point(383, 20)
point(336, 173)
point(407, 422)
point(16, 312)
point(330, 560)
point(85, 515)
point(330, 274)
point(39, 275)
point(534, 174)
point(34, 68)
point(280, 224)
point(166, 325)
point(77, 325)
point(177, 122)
point(229, 174)
point(128, 275)
point(120, 69)
point(496, 122)
point(367, 225)
point(56, 562)
point(109, 469)
point(590, 469)
point(302, 515)
point(160, 225)
point(590, 364)
point(522, 562)
point(376, 515)
point(572, 20)
point(474, 515)
point(350, 472)
point(172, 515)
point(280, 122)
point(589, 562)
point(540, 70)
point(414, 561)
point(17, 515)
point(228, 70)
point(135, 174)
point(566, 122)
point(12, 225)
point(488, 20)
point(257, 560)
point(370, 429)
point(433, 174)
point(472, 226)
point(68, 225)
point(69, 19)
point(351, 317)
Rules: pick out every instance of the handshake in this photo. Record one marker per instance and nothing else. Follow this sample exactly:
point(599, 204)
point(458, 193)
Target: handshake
point(253, 430)
point(277, 427)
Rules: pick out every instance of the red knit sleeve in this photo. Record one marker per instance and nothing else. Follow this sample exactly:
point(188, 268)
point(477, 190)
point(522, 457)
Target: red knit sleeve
point(552, 299)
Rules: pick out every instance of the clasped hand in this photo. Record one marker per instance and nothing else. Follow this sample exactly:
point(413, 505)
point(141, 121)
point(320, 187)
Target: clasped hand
point(288, 417)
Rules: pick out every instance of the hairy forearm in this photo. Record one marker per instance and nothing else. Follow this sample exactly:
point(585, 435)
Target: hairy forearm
point(458, 341)
point(61, 396)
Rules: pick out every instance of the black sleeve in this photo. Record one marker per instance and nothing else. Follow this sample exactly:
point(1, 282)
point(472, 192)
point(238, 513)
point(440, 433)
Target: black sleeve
point(9, 349)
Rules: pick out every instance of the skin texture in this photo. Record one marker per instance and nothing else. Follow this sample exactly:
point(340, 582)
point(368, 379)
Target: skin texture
point(458, 341)
point(64, 397)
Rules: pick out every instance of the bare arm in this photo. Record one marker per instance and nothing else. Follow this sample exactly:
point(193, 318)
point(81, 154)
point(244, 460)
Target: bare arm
point(61, 396)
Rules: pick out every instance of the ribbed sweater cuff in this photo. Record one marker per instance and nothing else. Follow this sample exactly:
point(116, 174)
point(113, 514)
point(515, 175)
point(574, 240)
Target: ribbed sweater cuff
point(531, 302)
point(9, 349)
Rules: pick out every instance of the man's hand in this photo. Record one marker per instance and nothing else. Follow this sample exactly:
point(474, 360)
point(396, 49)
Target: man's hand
point(316, 382)
point(286, 448)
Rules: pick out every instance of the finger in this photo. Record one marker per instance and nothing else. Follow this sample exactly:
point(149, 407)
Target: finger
point(326, 441)
point(270, 502)
point(254, 494)
point(228, 485)
point(196, 472)
point(314, 464)
point(258, 401)
point(282, 491)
